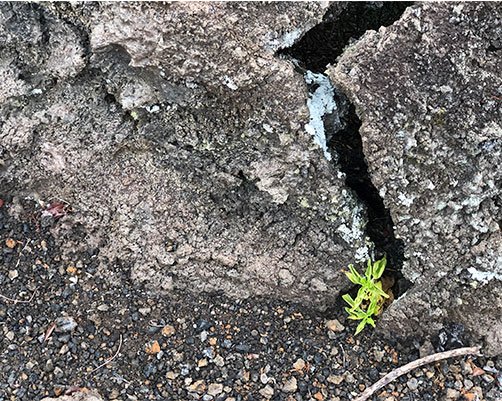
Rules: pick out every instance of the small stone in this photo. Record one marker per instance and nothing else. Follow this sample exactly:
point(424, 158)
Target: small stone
point(318, 396)
point(378, 355)
point(11, 243)
point(290, 386)
point(468, 384)
point(171, 375)
point(168, 330)
point(198, 387)
point(65, 324)
point(202, 363)
point(114, 394)
point(426, 349)
point(103, 308)
point(219, 361)
point(152, 348)
point(335, 379)
point(10, 335)
point(452, 394)
point(71, 270)
point(412, 384)
point(214, 389)
point(213, 341)
point(267, 391)
point(335, 326)
point(144, 311)
point(58, 372)
point(13, 274)
point(349, 378)
point(299, 365)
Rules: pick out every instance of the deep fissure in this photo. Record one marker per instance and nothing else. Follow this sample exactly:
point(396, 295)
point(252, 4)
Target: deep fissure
point(320, 46)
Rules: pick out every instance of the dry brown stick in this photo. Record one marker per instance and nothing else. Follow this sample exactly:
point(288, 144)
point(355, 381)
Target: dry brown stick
point(19, 301)
point(109, 359)
point(390, 377)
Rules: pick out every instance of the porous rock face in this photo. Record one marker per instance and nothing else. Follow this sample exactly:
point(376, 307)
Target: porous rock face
point(428, 92)
point(178, 138)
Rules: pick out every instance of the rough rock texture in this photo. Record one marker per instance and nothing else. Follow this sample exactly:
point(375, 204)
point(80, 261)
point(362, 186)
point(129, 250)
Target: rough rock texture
point(429, 93)
point(178, 139)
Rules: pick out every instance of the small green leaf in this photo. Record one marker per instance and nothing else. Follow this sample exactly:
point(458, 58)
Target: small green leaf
point(347, 298)
point(360, 327)
point(370, 321)
point(378, 290)
point(354, 275)
point(379, 267)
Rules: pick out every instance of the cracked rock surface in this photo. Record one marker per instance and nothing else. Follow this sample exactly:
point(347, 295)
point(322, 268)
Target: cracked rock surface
point(177, 138)
point(428, 92)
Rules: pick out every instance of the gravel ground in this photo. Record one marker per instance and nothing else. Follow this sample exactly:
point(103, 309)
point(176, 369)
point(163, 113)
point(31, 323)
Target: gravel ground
point(76, 313)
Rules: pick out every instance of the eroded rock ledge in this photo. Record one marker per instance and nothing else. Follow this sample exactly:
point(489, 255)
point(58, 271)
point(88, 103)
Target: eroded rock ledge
point(427, 90)
point(178, 138)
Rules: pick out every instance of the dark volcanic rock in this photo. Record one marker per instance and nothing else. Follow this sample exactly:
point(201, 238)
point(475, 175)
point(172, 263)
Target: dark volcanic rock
point(428, 92)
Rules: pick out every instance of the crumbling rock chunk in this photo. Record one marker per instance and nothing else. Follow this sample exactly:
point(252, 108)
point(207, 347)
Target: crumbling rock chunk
point(428, 92)
point(178, 138)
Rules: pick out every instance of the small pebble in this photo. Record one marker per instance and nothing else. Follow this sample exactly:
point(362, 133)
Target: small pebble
point(290, 386)
point(299, 364)
point(452, 394)
point(335, 379)
point(267, 391)
point(335, 326)
point(412, 384)
point(219, 361)
point(168, 330)
point(13, 274)
point(215, 389)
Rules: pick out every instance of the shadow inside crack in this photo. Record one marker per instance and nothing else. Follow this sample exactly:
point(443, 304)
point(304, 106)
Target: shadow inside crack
point(343, 24)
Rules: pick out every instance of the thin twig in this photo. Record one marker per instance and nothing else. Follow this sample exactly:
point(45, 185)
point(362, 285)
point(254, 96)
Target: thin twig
point(109, 359)
point(21, 252)
point(49, 331)
point(19, 301)
point(390, 377)
point(343, 356)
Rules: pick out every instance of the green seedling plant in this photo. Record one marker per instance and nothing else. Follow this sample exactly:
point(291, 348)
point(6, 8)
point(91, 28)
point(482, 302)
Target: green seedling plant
point(370, 296)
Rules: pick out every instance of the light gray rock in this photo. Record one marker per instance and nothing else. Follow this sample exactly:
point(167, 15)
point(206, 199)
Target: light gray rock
point(428, 92)
point(290, 386)
point(178, 138)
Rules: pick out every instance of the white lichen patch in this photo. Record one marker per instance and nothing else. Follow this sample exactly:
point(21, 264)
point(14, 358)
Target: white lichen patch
point(285, 41)
point(320, 103)
point(484, 276)
point(352, 231)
